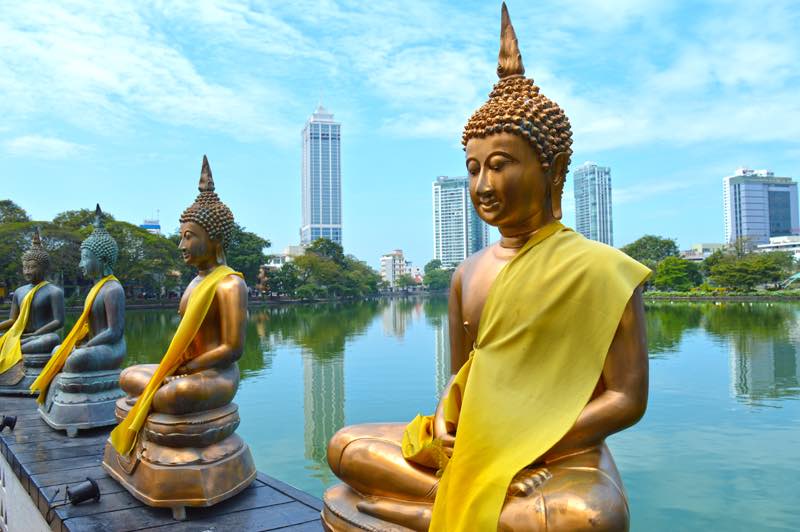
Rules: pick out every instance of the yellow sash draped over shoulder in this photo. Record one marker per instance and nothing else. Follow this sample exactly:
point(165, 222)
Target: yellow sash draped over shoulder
point(76, 334)
point(10, 342)
point(544, 333)
point(123, 437)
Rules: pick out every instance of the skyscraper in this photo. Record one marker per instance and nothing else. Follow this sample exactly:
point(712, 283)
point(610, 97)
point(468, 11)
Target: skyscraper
point(458, 232)
point(322, 179)
point(592, 188)
point(757, 205)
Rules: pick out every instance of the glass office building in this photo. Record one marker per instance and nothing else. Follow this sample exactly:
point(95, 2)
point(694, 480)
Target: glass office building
point(458, 232)
point(757, 205)
point(321, 179)
point(592, 188)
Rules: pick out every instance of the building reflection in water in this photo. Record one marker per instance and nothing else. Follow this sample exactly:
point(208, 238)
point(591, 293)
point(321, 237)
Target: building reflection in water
point(399, 313)
point(442, 346)
point(763, 346)
point(323, 406)
point(321, 333)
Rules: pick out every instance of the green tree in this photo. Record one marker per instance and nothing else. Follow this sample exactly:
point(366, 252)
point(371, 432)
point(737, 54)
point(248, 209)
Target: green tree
point(651, 249)
point(246, 253)
point(327, 249)
point(674, 273)
point(437, 279)
point(751, 270)
point(285, 280)
point(405, 281)
point(433, 265)
point(10, 212)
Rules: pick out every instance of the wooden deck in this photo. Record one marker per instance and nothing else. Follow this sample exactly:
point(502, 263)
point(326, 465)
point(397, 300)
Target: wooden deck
point(45, 460)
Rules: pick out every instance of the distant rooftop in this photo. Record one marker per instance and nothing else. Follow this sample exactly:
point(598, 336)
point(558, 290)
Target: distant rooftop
point(321, 115)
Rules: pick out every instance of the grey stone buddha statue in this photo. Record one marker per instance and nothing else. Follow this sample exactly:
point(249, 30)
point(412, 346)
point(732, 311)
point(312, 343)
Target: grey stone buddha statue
point(81, 381)
point(36, 317)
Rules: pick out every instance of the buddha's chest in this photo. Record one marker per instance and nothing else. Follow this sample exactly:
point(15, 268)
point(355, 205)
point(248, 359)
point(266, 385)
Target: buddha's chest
point(476, 283)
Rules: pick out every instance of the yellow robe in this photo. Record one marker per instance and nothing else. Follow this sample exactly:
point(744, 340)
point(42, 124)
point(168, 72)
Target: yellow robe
point(544, 333)
point(76, 334)
point(10, 342)
point(123, 437)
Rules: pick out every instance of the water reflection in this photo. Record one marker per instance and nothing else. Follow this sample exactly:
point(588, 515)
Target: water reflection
point(666, 324)
point(321, 332)
point(763, 342)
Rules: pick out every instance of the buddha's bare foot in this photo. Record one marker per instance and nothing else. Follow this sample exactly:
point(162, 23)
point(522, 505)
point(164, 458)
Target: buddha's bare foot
point(527, 481)
point(413, 515)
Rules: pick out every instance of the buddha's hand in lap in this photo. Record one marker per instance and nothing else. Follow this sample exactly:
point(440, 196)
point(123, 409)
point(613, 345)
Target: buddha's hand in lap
point(440, 429)
point(527, 481)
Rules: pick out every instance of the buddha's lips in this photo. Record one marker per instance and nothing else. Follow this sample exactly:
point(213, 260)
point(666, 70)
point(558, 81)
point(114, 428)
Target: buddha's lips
point(490, 205)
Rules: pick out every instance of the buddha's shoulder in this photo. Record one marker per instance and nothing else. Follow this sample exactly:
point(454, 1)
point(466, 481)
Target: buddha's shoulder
point(232, 283)
point(113, 286)
point(52, 290)
point(475, 260)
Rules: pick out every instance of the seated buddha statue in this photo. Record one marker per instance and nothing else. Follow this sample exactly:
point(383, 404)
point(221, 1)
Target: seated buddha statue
point(547, 347)
point(175, 445)
point(31, 331)
point(79, 385)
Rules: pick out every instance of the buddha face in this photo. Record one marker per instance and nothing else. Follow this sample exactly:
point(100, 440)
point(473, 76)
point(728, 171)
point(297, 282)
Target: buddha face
point(90, 265)
point(32, 271)
point(508, 185)
point(196, 246)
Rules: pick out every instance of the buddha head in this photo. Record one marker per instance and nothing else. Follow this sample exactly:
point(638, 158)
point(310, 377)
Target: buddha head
point(99, 251)
point(206, 226)
point(517, 147)
point(35, 261)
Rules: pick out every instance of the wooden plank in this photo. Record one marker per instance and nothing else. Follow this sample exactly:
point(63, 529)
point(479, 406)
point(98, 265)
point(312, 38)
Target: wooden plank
point(306, 498)
point(310, 526)
point(47, 461)
point(278, 517)
point(52, 466)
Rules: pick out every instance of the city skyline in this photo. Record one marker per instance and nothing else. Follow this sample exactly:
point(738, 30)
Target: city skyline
point(117, 104)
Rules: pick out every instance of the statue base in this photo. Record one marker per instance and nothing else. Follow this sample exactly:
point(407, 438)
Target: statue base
point(184, 460)
point(18, 378)
point(80, 401)
point(340, 514)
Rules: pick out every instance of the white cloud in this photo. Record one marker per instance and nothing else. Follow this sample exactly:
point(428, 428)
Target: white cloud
point(627, 72)
point(43, 147)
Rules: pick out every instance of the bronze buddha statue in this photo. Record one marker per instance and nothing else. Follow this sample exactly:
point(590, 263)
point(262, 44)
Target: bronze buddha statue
point(85, 368)
point(176, 445)
point(548, 353)
point(38, 328)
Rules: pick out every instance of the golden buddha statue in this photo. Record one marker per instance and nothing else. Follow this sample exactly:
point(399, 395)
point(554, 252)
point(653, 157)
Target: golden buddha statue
point(80, 383)
point(548, 352)
point(176, 445)
point(31, 331)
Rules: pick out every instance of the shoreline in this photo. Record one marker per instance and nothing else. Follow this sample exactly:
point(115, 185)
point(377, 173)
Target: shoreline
point(173, 303)
point(742, 298)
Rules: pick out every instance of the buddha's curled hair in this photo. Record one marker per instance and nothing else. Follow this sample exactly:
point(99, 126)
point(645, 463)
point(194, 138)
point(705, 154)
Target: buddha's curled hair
point(208, 211)
point(516, 106)
point(36, 253)
point(101, 243)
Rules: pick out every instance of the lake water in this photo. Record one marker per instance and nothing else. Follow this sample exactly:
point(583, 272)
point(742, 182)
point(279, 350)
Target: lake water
point(719, 447)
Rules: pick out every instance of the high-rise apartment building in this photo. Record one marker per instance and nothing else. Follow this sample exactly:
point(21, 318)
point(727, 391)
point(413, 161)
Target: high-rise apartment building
point(592, 188)
point(458, 232)
point(322, 179)
point(757, 205)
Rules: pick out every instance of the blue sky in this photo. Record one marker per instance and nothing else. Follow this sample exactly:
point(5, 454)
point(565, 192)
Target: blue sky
point(117, 102)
